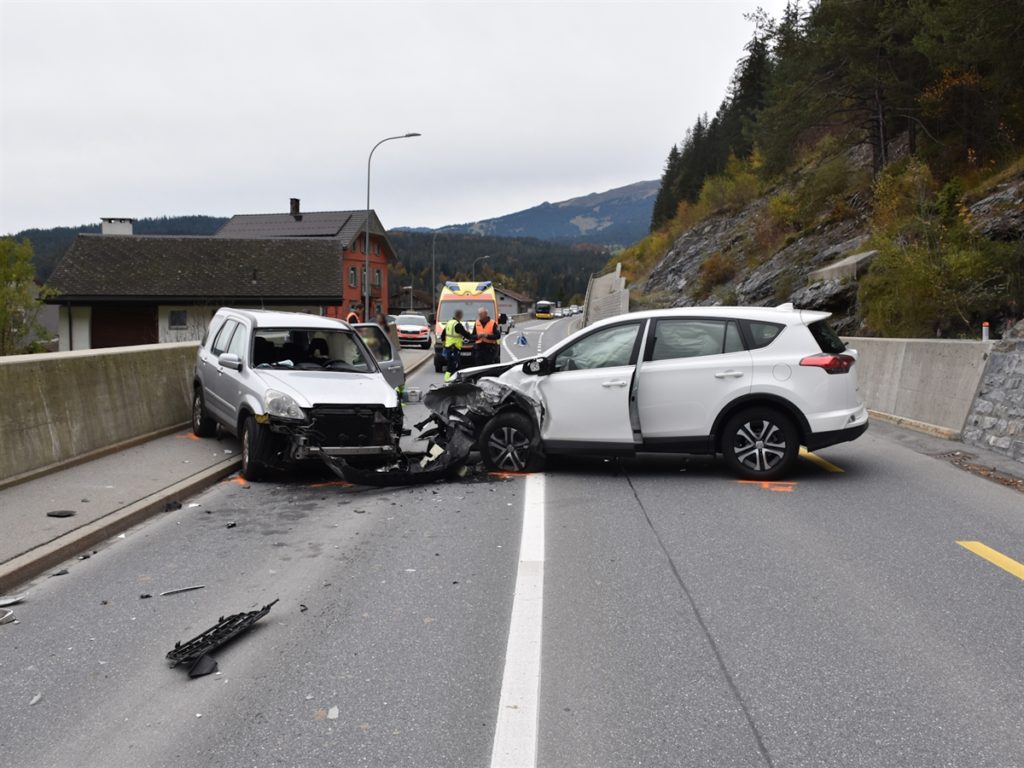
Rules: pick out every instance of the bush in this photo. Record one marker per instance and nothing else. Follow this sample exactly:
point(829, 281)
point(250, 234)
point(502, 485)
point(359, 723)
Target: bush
point(716, 270)
point(731, 190)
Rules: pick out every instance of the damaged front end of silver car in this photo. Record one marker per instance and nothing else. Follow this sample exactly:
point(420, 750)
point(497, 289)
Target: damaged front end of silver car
point(458, 413)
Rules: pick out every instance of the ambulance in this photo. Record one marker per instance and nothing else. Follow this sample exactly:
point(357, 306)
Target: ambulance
point(469, 297)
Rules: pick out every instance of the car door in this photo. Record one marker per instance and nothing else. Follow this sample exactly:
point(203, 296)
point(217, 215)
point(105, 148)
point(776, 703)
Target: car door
point(384, 352)
point(692, 367)
point(586, 395)
point(228, 383)
point(211, 371)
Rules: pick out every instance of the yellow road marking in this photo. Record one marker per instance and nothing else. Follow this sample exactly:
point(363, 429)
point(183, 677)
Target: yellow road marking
point(816, 459)
point(1008, 564)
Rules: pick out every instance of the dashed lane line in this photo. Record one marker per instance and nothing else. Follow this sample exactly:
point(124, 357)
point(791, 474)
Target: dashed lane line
point(997, 559)
point(515, 735)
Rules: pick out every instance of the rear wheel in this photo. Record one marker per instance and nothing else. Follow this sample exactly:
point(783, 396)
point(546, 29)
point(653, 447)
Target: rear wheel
point(202, 425)
point(507, 444)
point(256, 450)
point(760, 444)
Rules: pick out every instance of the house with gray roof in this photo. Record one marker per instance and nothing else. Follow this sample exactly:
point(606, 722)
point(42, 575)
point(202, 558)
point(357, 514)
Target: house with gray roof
point(120, 289)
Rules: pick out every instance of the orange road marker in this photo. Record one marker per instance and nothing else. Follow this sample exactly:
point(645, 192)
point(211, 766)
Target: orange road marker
point(188, 436)
point(778, 486)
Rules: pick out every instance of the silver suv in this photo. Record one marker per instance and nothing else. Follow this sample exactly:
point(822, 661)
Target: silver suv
point(294, 386)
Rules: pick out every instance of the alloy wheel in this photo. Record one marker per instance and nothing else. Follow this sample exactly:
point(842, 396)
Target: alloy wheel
point(509, 448)
point(759, 445)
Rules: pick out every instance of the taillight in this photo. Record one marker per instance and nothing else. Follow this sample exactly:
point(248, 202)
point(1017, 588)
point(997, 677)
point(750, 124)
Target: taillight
point(829, 363)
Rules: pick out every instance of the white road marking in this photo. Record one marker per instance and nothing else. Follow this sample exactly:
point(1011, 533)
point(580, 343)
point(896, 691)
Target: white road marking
point(515, 735)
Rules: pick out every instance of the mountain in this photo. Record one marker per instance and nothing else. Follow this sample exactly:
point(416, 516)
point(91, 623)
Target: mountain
point(617, 217)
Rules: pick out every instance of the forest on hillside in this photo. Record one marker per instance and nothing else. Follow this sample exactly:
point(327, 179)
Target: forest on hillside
point(929, 94)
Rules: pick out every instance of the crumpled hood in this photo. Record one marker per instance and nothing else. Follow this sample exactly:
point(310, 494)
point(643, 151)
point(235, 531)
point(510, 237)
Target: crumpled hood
point(310, 388)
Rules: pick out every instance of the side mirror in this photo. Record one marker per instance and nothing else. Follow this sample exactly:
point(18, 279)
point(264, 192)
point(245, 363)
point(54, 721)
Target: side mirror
point(538, 366)
point(502, 318)
point(230, 360)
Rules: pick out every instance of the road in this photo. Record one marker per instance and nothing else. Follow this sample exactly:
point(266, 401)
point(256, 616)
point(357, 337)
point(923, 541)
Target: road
point(684, 619)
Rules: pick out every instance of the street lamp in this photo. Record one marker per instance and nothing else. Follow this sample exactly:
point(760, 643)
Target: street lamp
point(481, 258)
point(366, 270)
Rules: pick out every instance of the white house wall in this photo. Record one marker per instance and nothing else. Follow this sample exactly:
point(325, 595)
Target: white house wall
point(77, 333)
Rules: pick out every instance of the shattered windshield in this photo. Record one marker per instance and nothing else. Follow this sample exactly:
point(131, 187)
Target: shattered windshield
point(316, 349)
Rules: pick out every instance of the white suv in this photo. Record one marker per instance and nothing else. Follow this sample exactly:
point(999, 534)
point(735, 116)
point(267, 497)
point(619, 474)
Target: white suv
point(750, 383)
point(295, 386)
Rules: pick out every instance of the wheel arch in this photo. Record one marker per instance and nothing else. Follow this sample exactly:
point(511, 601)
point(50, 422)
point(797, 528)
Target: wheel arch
point(755, 401)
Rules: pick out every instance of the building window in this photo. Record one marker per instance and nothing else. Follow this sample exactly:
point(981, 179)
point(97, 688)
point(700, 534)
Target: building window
point(377, 278)
point(353, 277)
point(177, 319)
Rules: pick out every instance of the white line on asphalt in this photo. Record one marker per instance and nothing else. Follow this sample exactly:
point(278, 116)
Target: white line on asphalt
point(515, 735)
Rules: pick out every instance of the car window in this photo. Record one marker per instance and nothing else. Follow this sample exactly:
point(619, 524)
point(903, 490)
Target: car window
point(310, 349)
point(606, 348)
point(220, 341)
point(762, 333)
point(694, 337)
point(237, 344)
point(377, 341)
point(828, 340)
point(411, 320)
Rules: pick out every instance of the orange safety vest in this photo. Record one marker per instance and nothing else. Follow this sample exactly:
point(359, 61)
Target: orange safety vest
point(484, 330)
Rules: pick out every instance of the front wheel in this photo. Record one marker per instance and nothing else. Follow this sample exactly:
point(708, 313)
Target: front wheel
point(760, 444)
point(202, 425)
point(507, 444)
point(256, 450)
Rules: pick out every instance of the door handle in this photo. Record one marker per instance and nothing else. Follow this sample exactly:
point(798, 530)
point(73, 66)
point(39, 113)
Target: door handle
point(610, 384)
point(728, 374)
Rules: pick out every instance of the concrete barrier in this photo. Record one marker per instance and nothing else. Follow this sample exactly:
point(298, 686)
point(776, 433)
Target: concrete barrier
point(922, 383)
point(62, 406)
point(607, 296)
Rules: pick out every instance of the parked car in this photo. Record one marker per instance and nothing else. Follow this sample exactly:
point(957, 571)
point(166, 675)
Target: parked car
point(294, 386)
point(750, 383)
point(413, 329)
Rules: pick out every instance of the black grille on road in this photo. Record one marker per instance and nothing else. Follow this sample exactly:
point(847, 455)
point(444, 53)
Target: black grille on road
point(349, 426)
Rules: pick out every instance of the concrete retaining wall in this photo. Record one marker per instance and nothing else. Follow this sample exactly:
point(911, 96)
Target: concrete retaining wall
point(925, 381)
point(607, 296)
point(60, 406)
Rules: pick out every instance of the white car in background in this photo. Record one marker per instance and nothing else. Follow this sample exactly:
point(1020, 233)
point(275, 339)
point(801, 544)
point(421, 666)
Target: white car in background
point(750, 383)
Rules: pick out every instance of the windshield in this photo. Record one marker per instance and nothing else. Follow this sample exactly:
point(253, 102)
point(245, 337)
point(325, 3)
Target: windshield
point(469, 308)
point(411, 320)
point(543, 306)
point(310, 349)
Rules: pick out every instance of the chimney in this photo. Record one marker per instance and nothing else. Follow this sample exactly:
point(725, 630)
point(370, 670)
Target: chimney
point(295, 206)
point(113, 225)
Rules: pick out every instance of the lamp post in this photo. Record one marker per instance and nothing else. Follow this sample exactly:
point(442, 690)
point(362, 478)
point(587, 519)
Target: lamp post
point(366, 268)
point(481, 258)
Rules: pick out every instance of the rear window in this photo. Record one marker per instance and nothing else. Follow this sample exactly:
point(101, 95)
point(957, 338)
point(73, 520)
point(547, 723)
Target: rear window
point(762, 334)
point(828, 340)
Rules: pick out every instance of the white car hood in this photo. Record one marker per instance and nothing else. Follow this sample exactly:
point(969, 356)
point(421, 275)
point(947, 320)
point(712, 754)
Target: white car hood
point(310, 388)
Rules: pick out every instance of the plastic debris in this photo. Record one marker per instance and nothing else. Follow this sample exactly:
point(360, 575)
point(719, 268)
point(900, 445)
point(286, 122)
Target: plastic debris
point(145, 596)
point(332, 713)
point(6, 600)
point(194, 504)
point(195, 651)
point(182, 589)
point(202, 666)
point(7, 616)
point(232, 524)
point(36, 699)
point(61, 572)
point(62, 513)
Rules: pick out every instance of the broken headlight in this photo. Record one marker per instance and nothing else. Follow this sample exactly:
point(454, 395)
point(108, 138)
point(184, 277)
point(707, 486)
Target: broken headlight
point(282, 406)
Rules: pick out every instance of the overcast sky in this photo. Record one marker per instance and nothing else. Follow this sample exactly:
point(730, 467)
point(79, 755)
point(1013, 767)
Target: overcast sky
point(148, 109)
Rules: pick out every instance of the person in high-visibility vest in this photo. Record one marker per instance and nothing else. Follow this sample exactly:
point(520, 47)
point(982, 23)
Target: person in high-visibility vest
point(488, 332)
point(454, 332)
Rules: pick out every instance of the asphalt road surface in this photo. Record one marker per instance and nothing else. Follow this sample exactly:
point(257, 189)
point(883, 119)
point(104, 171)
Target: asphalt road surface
point(663, 614)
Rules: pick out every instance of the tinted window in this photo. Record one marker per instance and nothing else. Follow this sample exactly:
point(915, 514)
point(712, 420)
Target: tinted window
point(220, 342)
point(606, 348)
point(828, 340)
point(762, 334)
point(691, 337)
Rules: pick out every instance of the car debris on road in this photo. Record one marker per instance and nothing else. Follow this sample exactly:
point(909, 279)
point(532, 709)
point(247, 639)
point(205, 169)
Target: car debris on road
point(195, 652)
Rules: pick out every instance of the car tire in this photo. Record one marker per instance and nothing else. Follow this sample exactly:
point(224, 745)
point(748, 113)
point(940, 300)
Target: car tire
point(256, 450)
point(202, 424)
point(507, 444)
point(760, 444)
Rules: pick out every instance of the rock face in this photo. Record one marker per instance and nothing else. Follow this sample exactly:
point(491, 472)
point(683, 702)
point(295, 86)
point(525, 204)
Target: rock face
point(678, 279)
point(996, 420)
